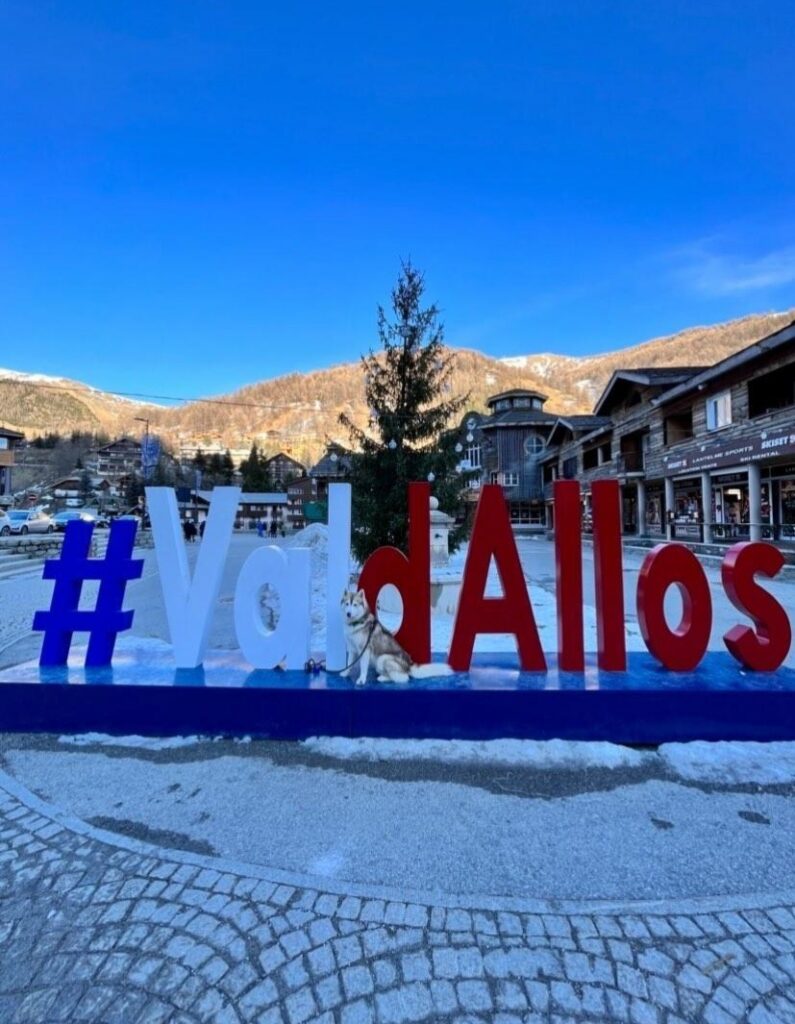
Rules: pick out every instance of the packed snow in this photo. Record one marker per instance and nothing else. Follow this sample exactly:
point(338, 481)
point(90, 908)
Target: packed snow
point(540, 754)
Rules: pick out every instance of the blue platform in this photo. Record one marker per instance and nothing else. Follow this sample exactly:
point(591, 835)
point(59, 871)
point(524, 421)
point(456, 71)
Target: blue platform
point(143, 695)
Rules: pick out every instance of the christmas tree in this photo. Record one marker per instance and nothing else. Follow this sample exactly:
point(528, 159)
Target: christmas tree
point(407, 385)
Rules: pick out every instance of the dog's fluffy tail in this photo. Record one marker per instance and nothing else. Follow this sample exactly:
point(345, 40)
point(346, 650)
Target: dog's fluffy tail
point(437, 668)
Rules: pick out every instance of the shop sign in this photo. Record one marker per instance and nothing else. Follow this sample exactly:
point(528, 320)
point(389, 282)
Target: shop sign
point(778, 472)
point(767, 445)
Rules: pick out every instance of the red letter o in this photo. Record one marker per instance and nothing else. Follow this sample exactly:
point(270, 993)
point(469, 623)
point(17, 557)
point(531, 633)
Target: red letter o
point(679, 649)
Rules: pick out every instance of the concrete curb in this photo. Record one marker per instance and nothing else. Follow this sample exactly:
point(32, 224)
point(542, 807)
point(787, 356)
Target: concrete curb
point(691, 906)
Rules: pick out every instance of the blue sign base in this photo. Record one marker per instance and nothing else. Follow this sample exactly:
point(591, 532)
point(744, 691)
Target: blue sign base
point(144, 694)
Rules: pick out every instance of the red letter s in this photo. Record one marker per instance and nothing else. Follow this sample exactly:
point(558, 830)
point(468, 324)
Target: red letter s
point(765, 649)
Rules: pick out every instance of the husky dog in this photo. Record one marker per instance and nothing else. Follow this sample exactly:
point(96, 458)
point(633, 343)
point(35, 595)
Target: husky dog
point(367, 641)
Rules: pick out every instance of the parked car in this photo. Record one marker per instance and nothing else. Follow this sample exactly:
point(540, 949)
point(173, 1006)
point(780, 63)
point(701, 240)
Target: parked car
point(142, 525)
point(69, 515)
point(5, 524)
point(30, 521)
point(98, 518)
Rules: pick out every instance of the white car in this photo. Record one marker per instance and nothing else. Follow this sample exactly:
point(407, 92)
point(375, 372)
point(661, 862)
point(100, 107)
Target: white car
point(30, 521)
point(5, 524)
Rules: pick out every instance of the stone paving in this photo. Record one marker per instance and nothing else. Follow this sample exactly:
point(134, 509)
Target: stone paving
point(99, 928)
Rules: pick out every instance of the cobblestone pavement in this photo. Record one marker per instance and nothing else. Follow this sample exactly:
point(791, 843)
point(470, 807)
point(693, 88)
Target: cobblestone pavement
point(104, 929)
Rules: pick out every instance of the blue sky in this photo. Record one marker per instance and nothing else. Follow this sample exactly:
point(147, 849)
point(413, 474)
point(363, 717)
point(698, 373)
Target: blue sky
point(197, 195)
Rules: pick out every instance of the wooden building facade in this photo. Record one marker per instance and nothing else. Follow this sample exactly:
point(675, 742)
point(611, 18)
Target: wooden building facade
point(705, 454)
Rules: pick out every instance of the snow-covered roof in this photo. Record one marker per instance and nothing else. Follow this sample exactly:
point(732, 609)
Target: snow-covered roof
point(263, 498)
point(251, 497)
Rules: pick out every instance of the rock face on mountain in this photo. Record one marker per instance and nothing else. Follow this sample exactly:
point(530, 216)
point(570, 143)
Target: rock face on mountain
point(300, 411)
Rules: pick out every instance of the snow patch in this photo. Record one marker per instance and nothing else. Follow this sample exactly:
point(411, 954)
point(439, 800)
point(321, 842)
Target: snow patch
point(542, 754)
point(88, 739)
point(731, 762)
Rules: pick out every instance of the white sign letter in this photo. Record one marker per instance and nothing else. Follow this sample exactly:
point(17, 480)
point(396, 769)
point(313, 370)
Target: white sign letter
point(338, 573)
point(189, 604)
point(289, 574)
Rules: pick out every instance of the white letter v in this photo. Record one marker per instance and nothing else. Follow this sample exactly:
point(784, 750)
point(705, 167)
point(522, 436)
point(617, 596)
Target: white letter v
point(189, 603)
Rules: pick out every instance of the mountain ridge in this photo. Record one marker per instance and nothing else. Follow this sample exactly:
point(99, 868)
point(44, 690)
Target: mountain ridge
point(300, 411)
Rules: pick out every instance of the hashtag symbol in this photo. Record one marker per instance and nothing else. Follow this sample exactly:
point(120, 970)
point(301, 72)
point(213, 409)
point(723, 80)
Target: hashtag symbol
point(107, 619)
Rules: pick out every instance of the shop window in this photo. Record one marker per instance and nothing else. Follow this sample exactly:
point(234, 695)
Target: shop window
point(775, 390)
point(678, 427)
point(719, 410)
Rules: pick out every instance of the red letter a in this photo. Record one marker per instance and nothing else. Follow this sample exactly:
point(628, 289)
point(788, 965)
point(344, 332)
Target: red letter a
point(492, 537)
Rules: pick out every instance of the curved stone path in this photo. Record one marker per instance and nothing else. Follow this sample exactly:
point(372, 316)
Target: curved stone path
point(95, 927)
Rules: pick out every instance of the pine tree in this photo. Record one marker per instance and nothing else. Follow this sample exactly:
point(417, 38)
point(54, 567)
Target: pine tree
point(252, 471)
point(215, 468)
point(228, 467)
point(406, 385)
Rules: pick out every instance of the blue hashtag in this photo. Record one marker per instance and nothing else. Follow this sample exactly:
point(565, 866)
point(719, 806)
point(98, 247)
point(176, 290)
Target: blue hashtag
point(107, 619)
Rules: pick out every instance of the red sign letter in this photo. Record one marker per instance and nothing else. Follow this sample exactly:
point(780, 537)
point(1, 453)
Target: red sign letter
point(411, 576)
point(764, 650)
point(568, 572)
point(609, 575)
point(492, 537)
point(679, 649)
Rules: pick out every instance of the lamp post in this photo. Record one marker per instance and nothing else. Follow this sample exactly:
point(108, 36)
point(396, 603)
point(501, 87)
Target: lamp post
point(144, 451)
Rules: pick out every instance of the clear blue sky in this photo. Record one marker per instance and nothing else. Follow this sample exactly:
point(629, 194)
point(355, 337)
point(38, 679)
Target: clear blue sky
point(197, 195)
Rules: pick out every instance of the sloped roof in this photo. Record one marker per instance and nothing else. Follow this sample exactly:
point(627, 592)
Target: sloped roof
point(581, 424)
point(650, 377)
point(251, 497)
point(706, 374)
point(332, 467)
point(517, 393)
point(283, 455)
point(127, 442)
point(517, 418)
point(263, 498)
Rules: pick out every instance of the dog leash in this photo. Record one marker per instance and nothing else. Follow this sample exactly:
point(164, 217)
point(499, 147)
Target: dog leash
point(314, 668)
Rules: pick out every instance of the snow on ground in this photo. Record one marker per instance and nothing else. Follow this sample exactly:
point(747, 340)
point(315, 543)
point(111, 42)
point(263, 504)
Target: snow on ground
point(101, 739)
point(725, 763)
point(762, 764)
point(540, 754)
